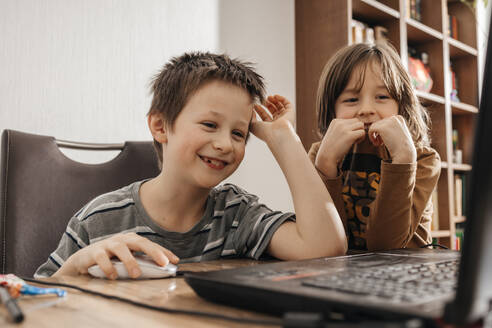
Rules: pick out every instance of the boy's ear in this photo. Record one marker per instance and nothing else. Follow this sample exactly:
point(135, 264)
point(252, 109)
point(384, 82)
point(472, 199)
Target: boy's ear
point(157, 127)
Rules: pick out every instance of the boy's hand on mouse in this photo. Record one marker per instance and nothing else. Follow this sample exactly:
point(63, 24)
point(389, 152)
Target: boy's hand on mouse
point(120, 246)
point(394, 134)
point(279, 117)
point(337, 141)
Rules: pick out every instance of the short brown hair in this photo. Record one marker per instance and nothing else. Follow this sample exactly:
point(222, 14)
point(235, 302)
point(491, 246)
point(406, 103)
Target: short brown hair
point(182, 76)
point(338, 70)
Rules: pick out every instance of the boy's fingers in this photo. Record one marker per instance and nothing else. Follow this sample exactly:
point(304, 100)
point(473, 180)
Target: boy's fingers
point(271, 106)
point(356, 125)
point(280, 104)
point(262, 113)
point(375, 138)
point(127, 258)
point(162, 256)
point(159, 254)
point(282, 100)
point(374, 134)
point(171, 256)
point(104, 263)
point(359, 135)
point(144, 245)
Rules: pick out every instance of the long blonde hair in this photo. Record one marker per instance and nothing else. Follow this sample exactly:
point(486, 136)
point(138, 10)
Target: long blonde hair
point(338, 70)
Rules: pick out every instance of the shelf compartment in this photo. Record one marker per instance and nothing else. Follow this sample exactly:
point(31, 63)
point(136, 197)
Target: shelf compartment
point(466, 71)
point(467, 32)
point(374, 13)
point(418, 32)
point(431, 14)
point(436, 64)
point(465, 124)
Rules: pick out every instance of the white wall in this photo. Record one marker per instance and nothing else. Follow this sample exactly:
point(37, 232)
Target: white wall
point(262, 32)
point(79, 69)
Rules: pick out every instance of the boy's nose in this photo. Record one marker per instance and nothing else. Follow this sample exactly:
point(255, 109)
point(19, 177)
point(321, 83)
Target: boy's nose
point(366, 112)
point(222, 144)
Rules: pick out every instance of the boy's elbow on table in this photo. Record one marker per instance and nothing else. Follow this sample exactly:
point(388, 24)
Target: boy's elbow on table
point(337, 246)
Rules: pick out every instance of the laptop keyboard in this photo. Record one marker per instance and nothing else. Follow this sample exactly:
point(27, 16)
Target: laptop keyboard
point(401, 283)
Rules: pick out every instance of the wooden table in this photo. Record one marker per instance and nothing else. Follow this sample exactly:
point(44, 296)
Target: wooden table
point(78, 309)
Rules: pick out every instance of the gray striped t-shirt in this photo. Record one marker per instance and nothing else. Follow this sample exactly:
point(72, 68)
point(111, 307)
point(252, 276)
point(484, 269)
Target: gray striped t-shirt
point(234, 225)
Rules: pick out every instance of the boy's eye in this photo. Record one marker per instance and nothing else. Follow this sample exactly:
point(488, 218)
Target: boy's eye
point(382, 97)
point(238, 134)
point(350, 100)
point(210, 125)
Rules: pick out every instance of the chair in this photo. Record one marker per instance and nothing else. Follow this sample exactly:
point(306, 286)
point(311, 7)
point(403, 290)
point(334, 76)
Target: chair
point(41, 189)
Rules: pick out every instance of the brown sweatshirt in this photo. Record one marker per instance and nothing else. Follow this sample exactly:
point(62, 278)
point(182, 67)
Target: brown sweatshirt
point(384, 205)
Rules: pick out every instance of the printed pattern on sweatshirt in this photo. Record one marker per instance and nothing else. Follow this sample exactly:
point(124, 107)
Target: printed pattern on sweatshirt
point(361, 174)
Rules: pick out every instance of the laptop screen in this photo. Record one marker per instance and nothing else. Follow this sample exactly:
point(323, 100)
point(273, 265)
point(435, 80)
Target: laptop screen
point(475, 283)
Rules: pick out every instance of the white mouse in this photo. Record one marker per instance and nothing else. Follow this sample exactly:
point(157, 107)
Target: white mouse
point(148, 267)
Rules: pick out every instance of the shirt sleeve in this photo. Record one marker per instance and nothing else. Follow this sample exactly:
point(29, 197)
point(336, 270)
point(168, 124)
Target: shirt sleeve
point(73, 239)
point(256, 227)
point(401, 208)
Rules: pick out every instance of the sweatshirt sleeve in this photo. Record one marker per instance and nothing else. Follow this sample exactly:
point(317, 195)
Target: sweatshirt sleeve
point(403, 204)
point(334, 186)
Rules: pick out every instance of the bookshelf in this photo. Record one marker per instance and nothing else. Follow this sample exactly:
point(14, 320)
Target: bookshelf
point(324, 26)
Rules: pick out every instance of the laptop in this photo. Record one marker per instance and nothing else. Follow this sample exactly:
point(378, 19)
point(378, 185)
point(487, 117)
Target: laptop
point(449, 286)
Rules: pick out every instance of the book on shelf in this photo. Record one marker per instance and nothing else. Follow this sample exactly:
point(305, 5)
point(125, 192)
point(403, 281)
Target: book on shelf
point(455, 139)
point(413, 8)
point(457, 153)
point(435, 211)
point(460, 194)
point(453, 27)
point(460, 235)
point(454, 84)
point(363, 33)
point(464, 194)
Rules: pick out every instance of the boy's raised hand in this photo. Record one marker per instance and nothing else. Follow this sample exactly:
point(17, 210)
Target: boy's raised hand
point(337, 141)
point(120, 246)
point(280, 115)
point(394, 134)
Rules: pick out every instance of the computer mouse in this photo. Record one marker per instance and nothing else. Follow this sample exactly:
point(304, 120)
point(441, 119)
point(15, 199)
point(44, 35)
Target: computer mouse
point(149, 269)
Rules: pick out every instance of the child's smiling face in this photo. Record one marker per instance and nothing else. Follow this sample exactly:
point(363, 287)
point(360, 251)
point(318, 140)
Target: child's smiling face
point(207, 142)
point(371, 101)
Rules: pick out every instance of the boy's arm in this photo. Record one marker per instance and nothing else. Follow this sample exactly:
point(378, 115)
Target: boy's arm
point(318, 230)
point(72, 240)
point(120, 246)
point(396, 216)
point(334, 185)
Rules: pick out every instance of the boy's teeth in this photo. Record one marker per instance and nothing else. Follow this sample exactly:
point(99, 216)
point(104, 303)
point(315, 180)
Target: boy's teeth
point(211, 161)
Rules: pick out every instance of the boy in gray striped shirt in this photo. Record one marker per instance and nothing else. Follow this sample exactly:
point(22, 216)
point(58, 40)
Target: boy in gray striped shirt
point(202, 110)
